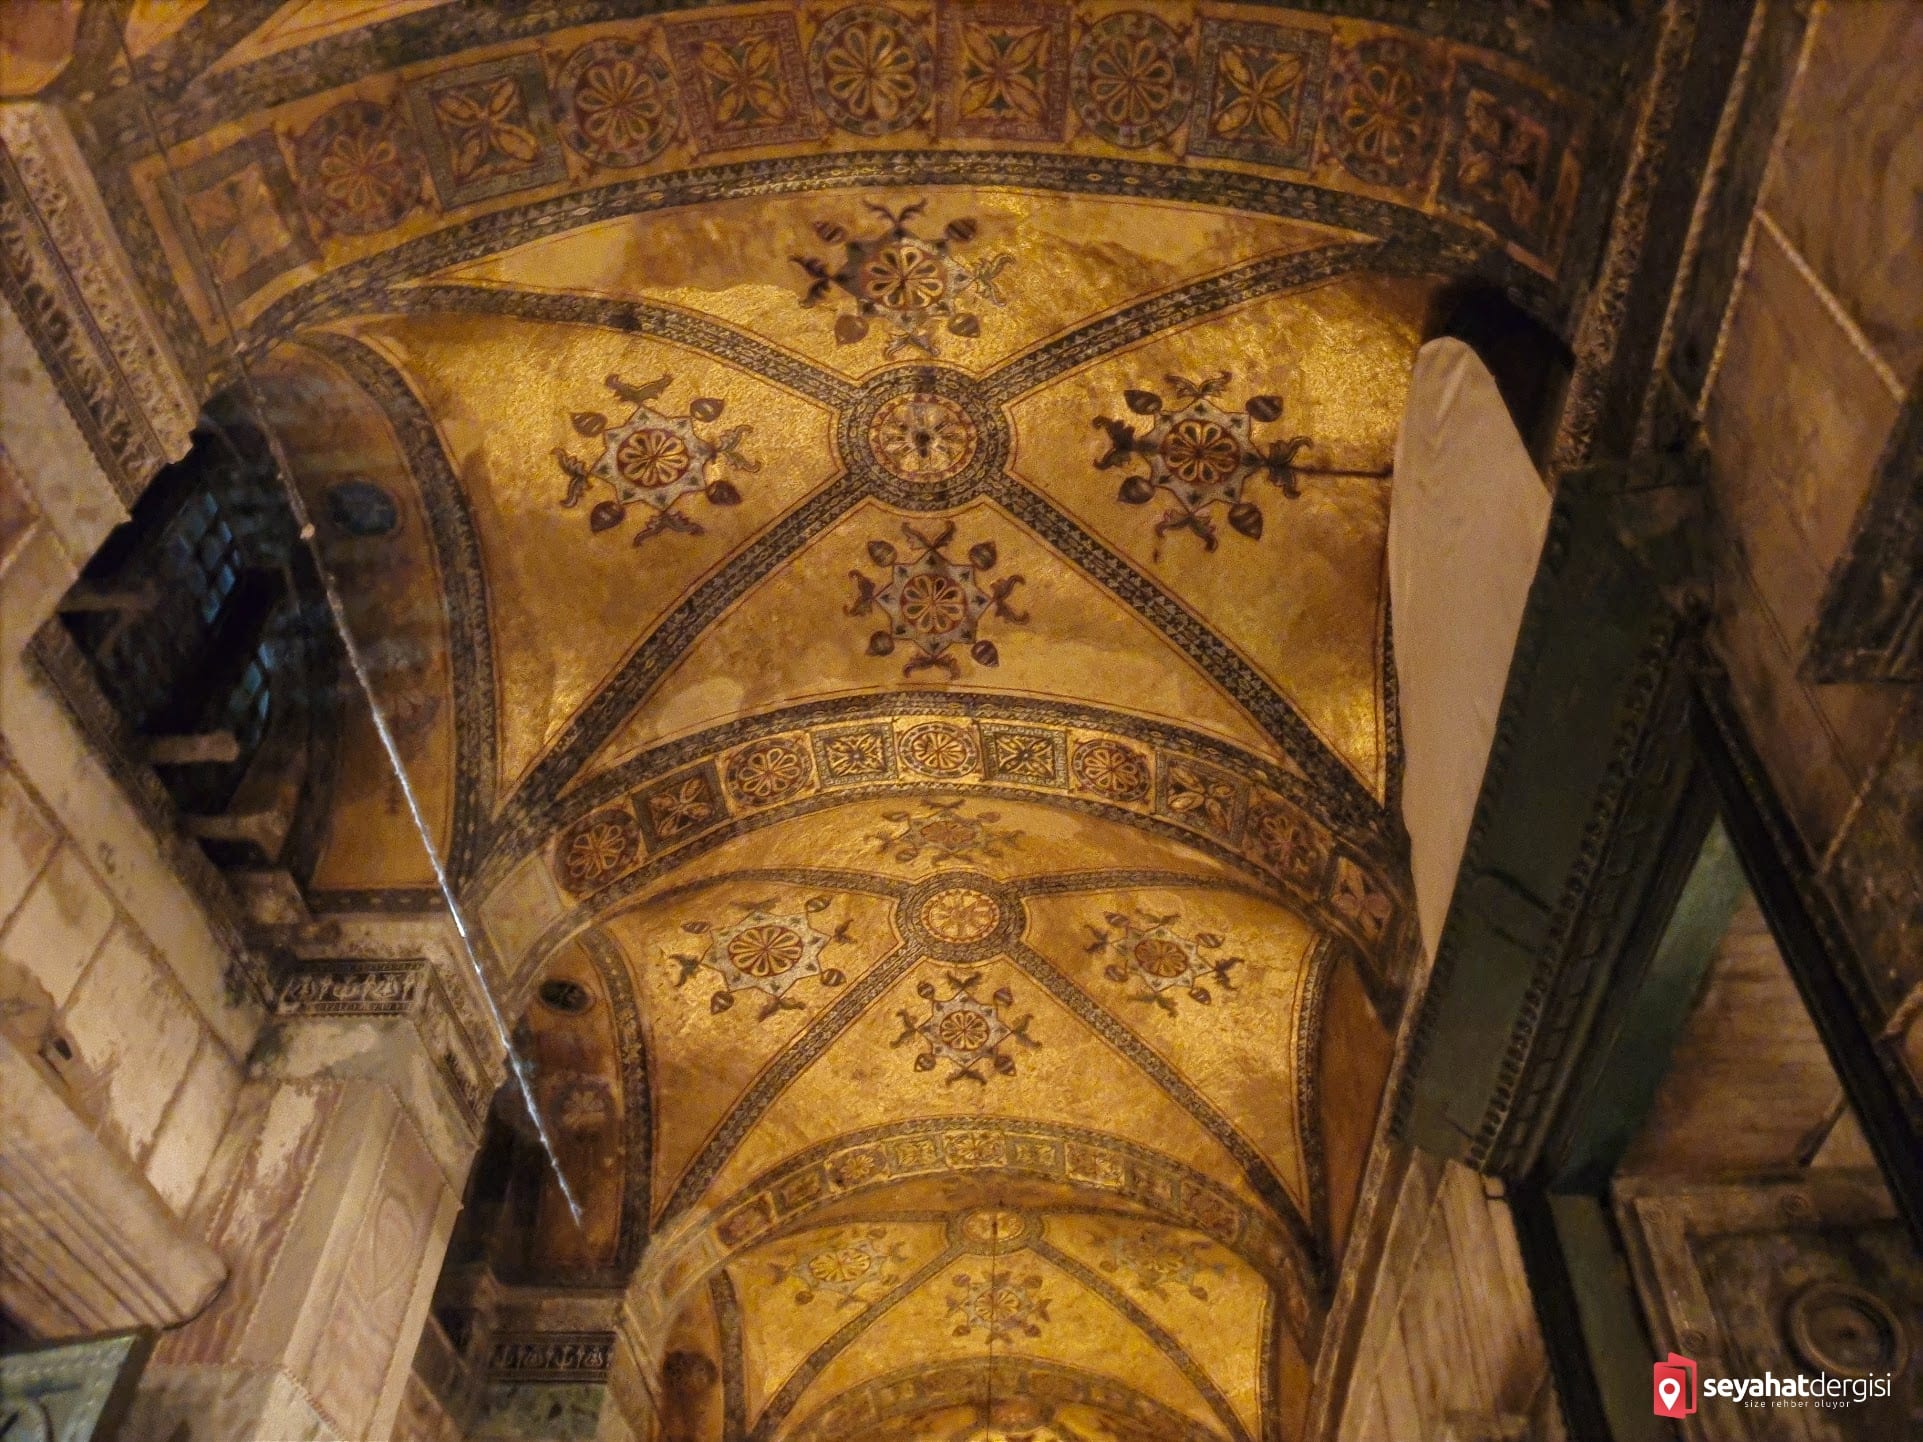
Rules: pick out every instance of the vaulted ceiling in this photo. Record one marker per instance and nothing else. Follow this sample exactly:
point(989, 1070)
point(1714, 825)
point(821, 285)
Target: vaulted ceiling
point(866, 524)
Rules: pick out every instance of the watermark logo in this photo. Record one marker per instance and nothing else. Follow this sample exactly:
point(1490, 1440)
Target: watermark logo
point(1675, 1384)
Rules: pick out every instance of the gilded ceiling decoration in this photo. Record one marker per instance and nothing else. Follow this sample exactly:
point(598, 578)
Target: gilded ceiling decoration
point(654, 459)
point(932, 603)
point(1200, 455)
point(867, 523)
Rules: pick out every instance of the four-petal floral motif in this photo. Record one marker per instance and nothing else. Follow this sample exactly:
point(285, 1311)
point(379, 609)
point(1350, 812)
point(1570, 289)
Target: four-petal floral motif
point(1504, 156)
point(1003, 72)
point(239, 224)
point(743, 81)
point(681, 807)
point(487, 128)
point(1259, 92)
point(1260, 97)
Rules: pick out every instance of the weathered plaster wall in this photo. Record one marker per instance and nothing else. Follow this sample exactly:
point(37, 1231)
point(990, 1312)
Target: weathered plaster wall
point(90, 992)
point(109, 973)
point(1451, 1349)
point(1821, 342)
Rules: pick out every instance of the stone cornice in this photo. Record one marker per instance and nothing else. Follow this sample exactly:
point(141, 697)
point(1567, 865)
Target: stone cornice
point(66, 276)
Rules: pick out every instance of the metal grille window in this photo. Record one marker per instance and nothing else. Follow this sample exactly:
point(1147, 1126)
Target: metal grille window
point(187, 614)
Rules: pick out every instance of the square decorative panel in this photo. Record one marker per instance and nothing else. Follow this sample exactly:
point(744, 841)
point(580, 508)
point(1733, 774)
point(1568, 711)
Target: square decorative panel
point(742, 81)
point(1504, 160)
point(800, 1190)
point(1004, 71)
point(1369, 910)
point(487, 129)
point(1200, 796)
point(1023, 754)
point(239, 204)
point(1259, 92)
point(855, 754)
point(682, 806)
point(917, 1154)
point(1284, 840)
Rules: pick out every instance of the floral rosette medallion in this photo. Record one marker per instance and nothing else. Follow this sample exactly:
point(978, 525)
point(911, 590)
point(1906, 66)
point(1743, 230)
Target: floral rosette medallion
point(653, 460)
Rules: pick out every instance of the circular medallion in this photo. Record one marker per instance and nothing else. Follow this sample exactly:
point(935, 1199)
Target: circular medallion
point(1130, 80)
point(358, 168)
point(769, 771)
point(873, 71)
point(1846, 1330)
point(961, 914)
point(1110, 769)
point(922, 437)
point(598, 847)
point(1161, 958)
point(567, 997)
point(765, 951)
point(1200, 452)
point(616, 103)
point(651, 459)
point(840, 1266)
point(994, 1230)
point(1382, 121)
point(960, 918)
point(904, 275)
point(934, 748)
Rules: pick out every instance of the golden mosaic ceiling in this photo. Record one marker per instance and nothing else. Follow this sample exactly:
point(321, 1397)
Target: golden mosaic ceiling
point(867, 526)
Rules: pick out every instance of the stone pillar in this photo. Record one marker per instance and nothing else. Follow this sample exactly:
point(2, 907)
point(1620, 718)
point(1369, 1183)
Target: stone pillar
point(91, 1246)
point(332, 1198)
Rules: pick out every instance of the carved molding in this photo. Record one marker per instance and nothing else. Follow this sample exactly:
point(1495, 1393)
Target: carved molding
point(351, 988)
point(412, 986)
point(1672, 1231)
point(1611, 305)
point(64, 273)
point(551, 1357)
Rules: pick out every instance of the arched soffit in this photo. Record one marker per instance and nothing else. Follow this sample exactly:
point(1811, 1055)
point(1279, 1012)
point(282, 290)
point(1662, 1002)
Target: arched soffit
point(387, 522)
point(308, 153)
point(1023, 1394)
point(1160, 798)
point(800, 983)
point(1165, 1311)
